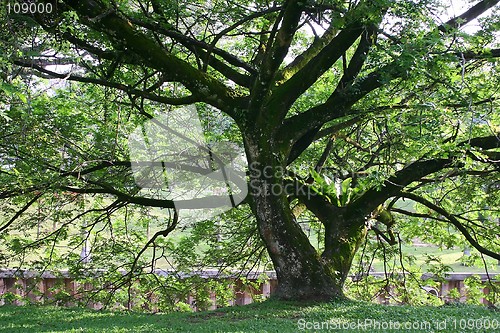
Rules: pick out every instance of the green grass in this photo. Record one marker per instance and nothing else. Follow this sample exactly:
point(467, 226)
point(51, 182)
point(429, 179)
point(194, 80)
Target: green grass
point(270, 316)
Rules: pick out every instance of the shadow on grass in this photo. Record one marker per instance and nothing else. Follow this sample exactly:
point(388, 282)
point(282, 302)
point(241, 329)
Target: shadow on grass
point(270, 316)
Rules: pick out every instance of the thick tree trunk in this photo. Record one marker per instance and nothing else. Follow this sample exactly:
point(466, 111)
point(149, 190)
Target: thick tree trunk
point(345, 230)
point(302, 273)
point(342, 240)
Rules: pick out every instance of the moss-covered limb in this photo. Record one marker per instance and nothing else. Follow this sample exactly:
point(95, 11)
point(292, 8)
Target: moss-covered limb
point(284, 96)
point(227, 71)
point(342, 236)
point(366, 41)
point(193, 44)
point(297, 148)
point(393, 186)
point(315, 65)
point(153, 55)
point(338, 105)
point(485, 142)
point(342, 241)
point(303, 59)
point(283, 38)
point(414, 172)
point(340, 102)
point(100, 53)
point(207, 53)
point(483, 54)
point(276, 49)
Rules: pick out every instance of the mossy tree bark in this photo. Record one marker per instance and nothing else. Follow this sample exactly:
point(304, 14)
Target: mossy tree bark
point(302, 273)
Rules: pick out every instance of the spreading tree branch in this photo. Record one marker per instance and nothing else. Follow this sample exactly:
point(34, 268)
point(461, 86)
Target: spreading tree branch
point(107, 83)
point(453, 220)
point(194, 44)
point(276, 50)
point(121, 31)
point(466, 17)
point(288, 92)
point(21, 211)
point(304, 126)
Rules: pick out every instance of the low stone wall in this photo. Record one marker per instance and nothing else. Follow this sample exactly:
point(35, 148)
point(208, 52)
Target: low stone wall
point(451, 281)
point(36, 286)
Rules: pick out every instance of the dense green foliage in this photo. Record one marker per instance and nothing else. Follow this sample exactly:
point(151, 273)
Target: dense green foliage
point(382, 114)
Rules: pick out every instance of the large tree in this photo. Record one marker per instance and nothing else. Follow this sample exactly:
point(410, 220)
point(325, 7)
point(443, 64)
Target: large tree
point(355, 104)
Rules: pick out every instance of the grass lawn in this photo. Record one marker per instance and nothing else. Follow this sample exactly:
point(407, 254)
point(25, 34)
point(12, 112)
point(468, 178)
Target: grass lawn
point(270, 316)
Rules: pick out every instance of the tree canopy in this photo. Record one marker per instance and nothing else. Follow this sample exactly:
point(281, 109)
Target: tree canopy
point(382, 116)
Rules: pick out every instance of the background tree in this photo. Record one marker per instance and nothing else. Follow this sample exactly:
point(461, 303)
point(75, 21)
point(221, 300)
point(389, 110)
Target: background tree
point(355, 104)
